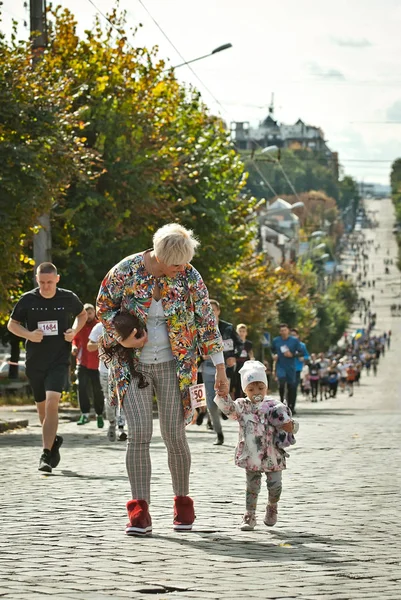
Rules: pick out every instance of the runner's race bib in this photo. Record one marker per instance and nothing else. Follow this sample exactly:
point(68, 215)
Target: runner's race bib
point(48, 327)
point(284, 349)
point(198, 395)
point(228, 345)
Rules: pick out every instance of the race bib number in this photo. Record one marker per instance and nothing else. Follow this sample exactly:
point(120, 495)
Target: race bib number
point(48, 327)
point(284, 349)
point(198, 395)
point(228, 345)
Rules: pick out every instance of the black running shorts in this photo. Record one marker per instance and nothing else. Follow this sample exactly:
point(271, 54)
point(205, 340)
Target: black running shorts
point(53, 380)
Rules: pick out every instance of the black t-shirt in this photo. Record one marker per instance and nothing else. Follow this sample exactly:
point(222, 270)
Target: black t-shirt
point(54, 316)
point(314, 369)
point(244, 353)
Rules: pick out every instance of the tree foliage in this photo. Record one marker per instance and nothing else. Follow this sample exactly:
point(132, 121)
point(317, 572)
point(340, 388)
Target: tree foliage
point(164, 157)
point(39, 154)
point(307, 170)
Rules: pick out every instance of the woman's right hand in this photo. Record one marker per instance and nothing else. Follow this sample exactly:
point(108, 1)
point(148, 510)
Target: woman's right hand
point(133, 342)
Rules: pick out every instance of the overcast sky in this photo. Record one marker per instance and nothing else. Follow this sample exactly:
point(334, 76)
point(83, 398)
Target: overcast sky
point(332, 63)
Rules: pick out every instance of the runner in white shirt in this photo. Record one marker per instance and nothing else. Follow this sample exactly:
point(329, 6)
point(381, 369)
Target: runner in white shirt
point(112, 414)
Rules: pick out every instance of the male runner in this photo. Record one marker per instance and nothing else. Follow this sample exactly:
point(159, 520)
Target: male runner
point(48, 318)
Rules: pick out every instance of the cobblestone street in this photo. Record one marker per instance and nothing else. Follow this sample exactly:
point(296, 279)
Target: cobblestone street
point(338, 535)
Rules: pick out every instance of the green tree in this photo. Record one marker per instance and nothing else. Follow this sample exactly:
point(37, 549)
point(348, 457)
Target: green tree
point(164, 157)
point(39, 156)
point(307, 170)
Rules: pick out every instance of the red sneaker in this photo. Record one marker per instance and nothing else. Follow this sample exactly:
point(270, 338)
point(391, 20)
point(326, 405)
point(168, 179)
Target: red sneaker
point(140, 522)
point(184, 514)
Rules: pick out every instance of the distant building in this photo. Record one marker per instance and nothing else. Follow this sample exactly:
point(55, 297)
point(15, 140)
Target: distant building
point(271, 133)
point(300, 136)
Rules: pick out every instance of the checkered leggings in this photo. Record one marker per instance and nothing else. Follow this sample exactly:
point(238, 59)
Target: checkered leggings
point(137, 404)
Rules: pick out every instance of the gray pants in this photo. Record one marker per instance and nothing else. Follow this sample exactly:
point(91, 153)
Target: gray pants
point(253, 484)
point(138, 409)
point(208, 376)
point(110, 410)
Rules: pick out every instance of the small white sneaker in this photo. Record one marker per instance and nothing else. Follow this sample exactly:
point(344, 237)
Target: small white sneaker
point(248, 522)
point(111, 432)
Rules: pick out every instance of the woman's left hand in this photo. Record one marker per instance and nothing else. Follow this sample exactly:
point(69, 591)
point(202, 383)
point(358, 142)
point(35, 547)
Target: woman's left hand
point(133, 342)
point(221, 385)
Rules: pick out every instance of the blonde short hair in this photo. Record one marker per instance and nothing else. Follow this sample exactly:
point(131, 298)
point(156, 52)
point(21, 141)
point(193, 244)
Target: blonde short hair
point(240, 326)
point(174, 245)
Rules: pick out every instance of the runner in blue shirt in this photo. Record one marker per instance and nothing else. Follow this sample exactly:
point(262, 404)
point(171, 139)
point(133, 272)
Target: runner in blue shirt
point(285, 349)
point(299, 362)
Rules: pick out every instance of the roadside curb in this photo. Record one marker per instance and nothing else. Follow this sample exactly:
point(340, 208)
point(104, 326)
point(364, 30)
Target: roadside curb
point(10, 425)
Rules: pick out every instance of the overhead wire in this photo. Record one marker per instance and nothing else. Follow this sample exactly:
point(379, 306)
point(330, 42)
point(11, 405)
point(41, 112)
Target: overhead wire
point(180, 55)
point(142, 3)
point(105, 17)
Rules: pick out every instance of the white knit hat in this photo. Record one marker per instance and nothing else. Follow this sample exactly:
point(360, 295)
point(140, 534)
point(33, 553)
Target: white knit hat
point(252, 370)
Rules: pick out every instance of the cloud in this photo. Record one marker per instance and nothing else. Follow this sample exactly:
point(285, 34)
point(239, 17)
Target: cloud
point(325, 73)
point(352, 42)
point(393, 113)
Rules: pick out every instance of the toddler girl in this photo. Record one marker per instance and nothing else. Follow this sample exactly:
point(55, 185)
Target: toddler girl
point(265, 429)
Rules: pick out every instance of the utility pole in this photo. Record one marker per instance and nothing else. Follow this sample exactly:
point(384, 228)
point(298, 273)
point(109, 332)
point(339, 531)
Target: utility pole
point(42, 242)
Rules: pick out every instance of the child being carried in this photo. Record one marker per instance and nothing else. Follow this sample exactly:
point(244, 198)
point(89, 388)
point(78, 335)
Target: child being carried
point(124, 323)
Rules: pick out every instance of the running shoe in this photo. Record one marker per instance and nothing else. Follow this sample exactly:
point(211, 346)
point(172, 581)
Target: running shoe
point(44, 462)
point(200, 417)
point(55, 451)
point(100, 422)
point(122, 436)
point(219, 440)
point(83, 420)
point(111, 432)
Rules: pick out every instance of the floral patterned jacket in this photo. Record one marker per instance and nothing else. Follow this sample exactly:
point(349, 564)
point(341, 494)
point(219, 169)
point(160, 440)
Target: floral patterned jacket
point(261, 443)
point(191, 324)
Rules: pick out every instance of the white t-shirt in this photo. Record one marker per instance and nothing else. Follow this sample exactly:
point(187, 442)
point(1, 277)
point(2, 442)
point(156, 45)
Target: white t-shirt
point(94, 336)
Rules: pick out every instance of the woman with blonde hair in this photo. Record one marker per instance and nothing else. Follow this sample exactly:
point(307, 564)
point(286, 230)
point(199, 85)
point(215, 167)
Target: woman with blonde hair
point(161, 288)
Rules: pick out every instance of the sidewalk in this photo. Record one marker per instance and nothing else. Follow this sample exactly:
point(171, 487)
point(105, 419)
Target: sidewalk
point(15, 417)
point(338, 536)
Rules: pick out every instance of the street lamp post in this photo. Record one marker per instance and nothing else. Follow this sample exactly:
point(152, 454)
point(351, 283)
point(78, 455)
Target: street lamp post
point(215, 51)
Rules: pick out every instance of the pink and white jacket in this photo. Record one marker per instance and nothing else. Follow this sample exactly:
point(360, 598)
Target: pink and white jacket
point(261, 440)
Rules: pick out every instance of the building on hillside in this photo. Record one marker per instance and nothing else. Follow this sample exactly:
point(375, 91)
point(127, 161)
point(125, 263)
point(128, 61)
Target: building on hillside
point(270, 132)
